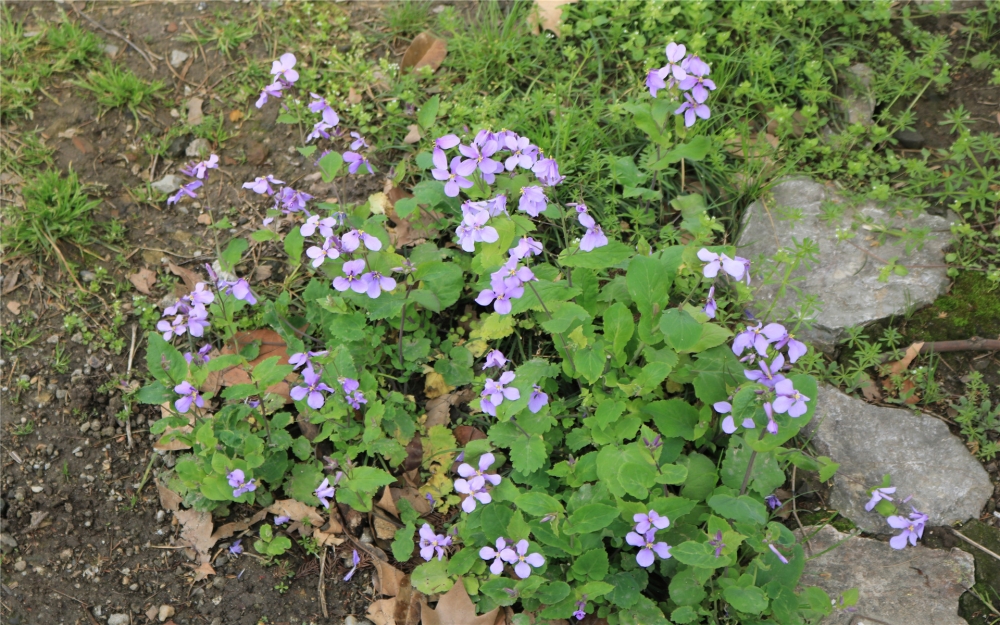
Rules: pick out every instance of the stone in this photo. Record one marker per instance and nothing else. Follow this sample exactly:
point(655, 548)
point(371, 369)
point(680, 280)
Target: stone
point(88, 276)
point(177, 57)
point(909, 139)
point(915, 585)
point(845, 277)
point(20, 565)
point(165, 612)
point(111, 49)
point(7, 543)
point(119, 619)
point(858, 101)
point(198, 147)
point(923, 460)
point(350, 619)
point(168, 183)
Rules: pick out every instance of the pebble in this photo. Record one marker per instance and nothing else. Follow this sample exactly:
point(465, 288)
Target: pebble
point(177, 57)
point(167, 184)
point(165, 612)
point(83, 428)
point(37, 489)
point(62, 394)
point(20, 565)
point(111, 49)
point(88, 276)
point(65, 554)
point(52, 340)
point(909, 139)
point(196, 147)
point(119, 619)
point(7, 543)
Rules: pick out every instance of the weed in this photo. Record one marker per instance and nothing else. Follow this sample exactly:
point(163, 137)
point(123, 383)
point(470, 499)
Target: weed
point(114, 86)
point(225, 33)
point(407, 17)
point(25, 428)
point(56, 208)
point(18, 335)
point(60, 359)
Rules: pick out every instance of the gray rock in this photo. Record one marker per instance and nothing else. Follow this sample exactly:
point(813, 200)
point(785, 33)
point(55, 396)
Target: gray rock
point(20, 565)
point(909, 139)
point(119, 619)
point(859, 102)
point(88, 276)
point(845, 278)
point(7, 543)
point(198, 147)
point(915, 586)
point(168, 183)
point(177, 57)
point(111, 49)
point(923, 459)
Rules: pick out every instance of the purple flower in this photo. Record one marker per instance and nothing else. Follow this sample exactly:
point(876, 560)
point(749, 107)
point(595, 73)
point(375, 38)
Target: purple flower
point(474, 229)
point(236, 549)
point(455, 179)
point(692, 110)
point(281, 519)
point(547, 172)
point(525, 247)
point(789, 400)
point(352, 395)
point(533, 200)
point(694, 65)
point(645, 557)
point(751, 337)
point(466, 487)
point(537, 399)
point(272, 90)
point(521, 559)
point(772, 425)
point(352, 279)
point(262, 185)
point(292, 200)
point(654, 82)
point(511, 275)
point(595, 236)
point(330, 249)
point(477, 478)
point(913, 529)
point(202, 354)
point(768, 375)
point(488, 553)
point(446, 142)
point(497, 206)
point(774, 549)
point(200, 170)
point(502, 297)
point(495, 358)
point(353, 239)
point(522, 153)
point(240, 289)
point(303, 359)
point(878, 495)
point(355, 161)
point(580, 612)
point(325, 492)
point(772, 502)
point(355, 559)
point(187, 190)
point(193, 320)
point(674, 67)
point(710, 305)
point(498, 391)
point(237, 479)
point(318, 104)
point(717, 543)
point(699, 86)
point(282, 68)
point(319, 130)
point(190, 395)
point(431, 543)
point(645, 522)
point(480, 157)
point(777, 334)
point(728, 423)
point(378, 283)
point(313, 388)
point(737, 267)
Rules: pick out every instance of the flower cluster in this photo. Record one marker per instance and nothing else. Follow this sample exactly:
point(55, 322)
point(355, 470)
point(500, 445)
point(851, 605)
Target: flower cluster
point(473, 482)
point(284, 78)
point(198, 171)
point(644, 535)
point(431, 543)
point(594, 236)
point(189, 314)
point(516, 554)
point(689, 74)
point(189, 395)
point(912, 526)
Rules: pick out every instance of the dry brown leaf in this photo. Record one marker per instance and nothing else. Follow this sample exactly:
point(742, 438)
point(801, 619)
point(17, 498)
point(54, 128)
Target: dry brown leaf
point(85, 147)
point(190, 278)
point(388, 503)
point(414, 453)
point(271, 344)
point(296, 511)
point(435, 386)
point(353, 97)
point(327, 539)
point(412, 477)
point(870, 390)
point(235, 115)
point(14, 306)
point(196, 530)
point(899, 366)
point(203, 571)
point(439, 406)
point(382, 611)
point(143, 280)
point(455, 608)
point(466, 433)
point(408, 604)
point(205, 219)
point(262, 272)
point(411, 494)
point(69, 133)
point(384, 529)
point(388, 578)
point(169, 500)
point(425, 50)
point(413, 135)
point(175, 444)
point(593, 619)
point(195, 116)
point(229, 529)
point(549, 15)
point(10, 280)
point(410, 231)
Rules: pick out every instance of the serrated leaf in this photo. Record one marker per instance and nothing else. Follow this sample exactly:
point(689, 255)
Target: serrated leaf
point(648, 283)
point(591, 518)
point(599, 258)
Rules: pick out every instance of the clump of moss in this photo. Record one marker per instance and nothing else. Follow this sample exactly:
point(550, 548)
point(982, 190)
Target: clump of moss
point(970, 309)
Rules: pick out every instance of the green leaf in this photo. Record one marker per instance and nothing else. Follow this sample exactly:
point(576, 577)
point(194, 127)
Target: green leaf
point(302, 448)
point(648, 283)
point(743, 509)
point(443, 279)
point(537, 503)
point(428, 112)
point(402, 544)
point(684, 614)
point(827, 468)
point(330, 165)
point(619, 326)
point(303, 481)
point(697, 554)
point(627, 587)
point(164, 361)
point(591, 518)
point(695, 150)
point(591, 565)
point(681, 330)
point(751, 599)
point(232, 254)
point(293, 246)
point(672, 474)
point(268, 372)
point(608, 412)
point(348, 327)
point(711, 336)
point(589, 361)
point(216, 487)
point(600, 258)
point(686, 589)
point(155, 393)
point(565, 315)
point(644, 612)
point(553, 592)
point(636, 478)
point(463, 561)
point(432, 577)
point(765, 476)
point(367, 480)
point(529, 455)
point(702, 476)
point(673, 417)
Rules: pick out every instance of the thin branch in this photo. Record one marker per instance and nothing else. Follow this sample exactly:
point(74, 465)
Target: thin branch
point(114, 33)
point(974, 543)
point(974, 344)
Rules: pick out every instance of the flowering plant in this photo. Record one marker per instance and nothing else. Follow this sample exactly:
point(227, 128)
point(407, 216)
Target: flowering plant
point(626, 435)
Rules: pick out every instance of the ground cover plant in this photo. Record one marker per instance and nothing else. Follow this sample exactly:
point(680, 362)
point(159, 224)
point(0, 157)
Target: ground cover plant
point(552, 241)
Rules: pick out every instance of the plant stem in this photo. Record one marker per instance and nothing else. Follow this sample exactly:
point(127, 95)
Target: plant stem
point(746, 476)
point(562, 339)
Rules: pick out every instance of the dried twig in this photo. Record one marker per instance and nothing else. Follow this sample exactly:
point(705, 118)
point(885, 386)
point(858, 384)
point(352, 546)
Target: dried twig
point(114, 33)
point(128, 372)
point(322, 584)
point(974, 344)
point(974, 543)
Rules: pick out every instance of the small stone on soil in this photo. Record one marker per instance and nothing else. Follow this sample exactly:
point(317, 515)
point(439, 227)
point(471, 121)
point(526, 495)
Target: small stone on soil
point(165, 612)
point(197, 147)
point(111, 49)
point(909, 139)
point(177, 57)
point(119, 619)
point(167, 184)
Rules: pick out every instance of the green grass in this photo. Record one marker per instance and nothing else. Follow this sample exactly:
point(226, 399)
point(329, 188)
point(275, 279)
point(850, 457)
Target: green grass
point(56, 208)
point(114, 86)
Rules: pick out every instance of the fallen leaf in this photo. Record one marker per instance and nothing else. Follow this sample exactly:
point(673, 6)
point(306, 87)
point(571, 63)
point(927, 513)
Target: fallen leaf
point(353, 97)
point(10, 280)
point(262, 272)
point(382, 611)
point(36, 520)
point(69, 133)
point(593, 619)
point(196, 530)
point(414, 454)
point(387, 579)
point(83, 145)
point(413, 135)
point(411, 494)
point(229, 529)
point(203, 571)
point(387, 503)
point(169, 500)
point(435, 386)
point(439, 406)
point(899, 366)
point(194, 114)
point(413, 230)
point(408, 604)
point(425, 50)
point(455, 608)
point(271, 344)
point(205, 219)
point(466, 433)
point(548, 15)
point(152, 612)
point(189, 277)
point(327, 539)
point(14, 307)
point(175, 444)
point(143, 280)
point(257, 153)
point(235, 116)
point(384, 529)
point(870, 390)
point(379, 202)
point(296, 511)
